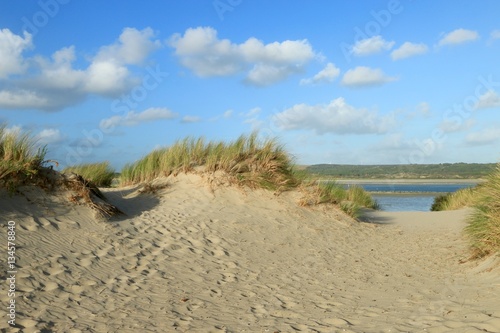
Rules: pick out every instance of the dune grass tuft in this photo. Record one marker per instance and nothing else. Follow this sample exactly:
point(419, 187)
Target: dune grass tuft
point(20, 159)
point(484, 224)
point(450, 201)
point(100, 174)
point(350, 200)
point(250, 161)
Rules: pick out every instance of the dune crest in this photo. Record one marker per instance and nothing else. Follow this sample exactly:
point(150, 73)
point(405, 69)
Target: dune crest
point(191, 257)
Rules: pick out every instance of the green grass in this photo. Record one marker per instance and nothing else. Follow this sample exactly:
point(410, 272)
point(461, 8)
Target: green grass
point(101, 174)
point(251, 162)
point(462, 198)
point(484, 224)
point(20, 159)
point(349, 200)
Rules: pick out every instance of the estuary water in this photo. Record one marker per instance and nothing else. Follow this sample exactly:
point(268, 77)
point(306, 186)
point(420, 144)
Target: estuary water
point(413, 196)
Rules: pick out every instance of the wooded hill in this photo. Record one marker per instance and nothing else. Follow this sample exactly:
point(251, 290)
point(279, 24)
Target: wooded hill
point(412, 171)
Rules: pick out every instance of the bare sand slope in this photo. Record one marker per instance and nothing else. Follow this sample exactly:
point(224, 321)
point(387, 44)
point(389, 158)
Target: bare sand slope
point(190, 259)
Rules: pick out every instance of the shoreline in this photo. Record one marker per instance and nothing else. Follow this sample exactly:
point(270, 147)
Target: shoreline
point(405, 181)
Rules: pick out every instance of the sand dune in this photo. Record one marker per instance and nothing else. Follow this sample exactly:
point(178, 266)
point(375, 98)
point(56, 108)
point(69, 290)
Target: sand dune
point(195, 258)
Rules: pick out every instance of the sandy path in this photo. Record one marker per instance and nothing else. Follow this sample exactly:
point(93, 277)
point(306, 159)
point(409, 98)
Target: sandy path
point(191, 260)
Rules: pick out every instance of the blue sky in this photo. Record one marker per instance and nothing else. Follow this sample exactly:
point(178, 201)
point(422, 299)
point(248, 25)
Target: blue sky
point(346, 82)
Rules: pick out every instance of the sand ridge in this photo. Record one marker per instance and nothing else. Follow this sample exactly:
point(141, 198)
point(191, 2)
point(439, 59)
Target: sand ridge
point(195, 258)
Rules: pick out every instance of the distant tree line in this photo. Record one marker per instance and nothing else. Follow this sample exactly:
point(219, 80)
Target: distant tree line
point(411, 171)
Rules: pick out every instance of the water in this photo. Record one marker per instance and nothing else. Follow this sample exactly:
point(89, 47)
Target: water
point(396, 197)
point(404, 202)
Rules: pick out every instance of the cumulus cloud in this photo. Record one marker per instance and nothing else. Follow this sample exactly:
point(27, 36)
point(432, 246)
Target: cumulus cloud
point(489, 99)
point(484, 137)
point(458, 36)
point(326, 75)
point(362, 76)
point(23, 99)
point(200, 50)
point(133, 118)
point(49, 136)
point(336, 117)
point(409, 50)
point(132, 47)
point(11, 48)
point(371, 45)
point(190, 119)
point(54, 83)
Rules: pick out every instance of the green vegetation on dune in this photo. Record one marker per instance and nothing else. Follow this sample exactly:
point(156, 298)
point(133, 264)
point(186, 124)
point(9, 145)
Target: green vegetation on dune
point(396, 171)
point(484, 224)
point(462, 198)
point(349, 200)
point(100, 174)
point(250, 161)
point(20, 159)
point(246, 161)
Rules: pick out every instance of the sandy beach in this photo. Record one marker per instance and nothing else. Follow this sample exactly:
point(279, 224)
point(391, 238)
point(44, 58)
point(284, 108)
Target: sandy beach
point(201, 257)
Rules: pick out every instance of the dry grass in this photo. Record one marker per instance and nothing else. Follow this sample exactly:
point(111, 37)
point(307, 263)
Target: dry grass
point(484, 224)
point(86, 193)
point(465, 197)
point(20, 159)
point(100, 174)
point(249, 161)
point(349, 200)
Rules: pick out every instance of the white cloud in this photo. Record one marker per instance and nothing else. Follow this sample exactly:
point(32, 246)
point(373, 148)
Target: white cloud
point(253, 112)
point(449, 126)
point(490, 99)
point(264, 74)
point(190, 119)
point(371, 45)
point(422, 109)
point(132, 47)
point(409, 50)
point(200, 50)
point(11, 49)
point(107, 78)
point(326, 75)
point(228, 113)
point(59, 73)
point(336, 117)
point(57, 84)
point(362, 76)
point(49, 136)
point(23, 99)
point(484, 137)
point(458, 36)
point(495, 34)
point(133, 118)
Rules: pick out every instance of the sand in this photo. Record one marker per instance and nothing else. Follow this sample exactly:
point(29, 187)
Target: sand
point(196, 258)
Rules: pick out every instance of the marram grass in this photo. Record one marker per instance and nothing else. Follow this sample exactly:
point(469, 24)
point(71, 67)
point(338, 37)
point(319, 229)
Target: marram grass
point(462, 198)
point(484, 224)
point(350, 200)
point(100, 174)
point(20, 159)
point(251, 161)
